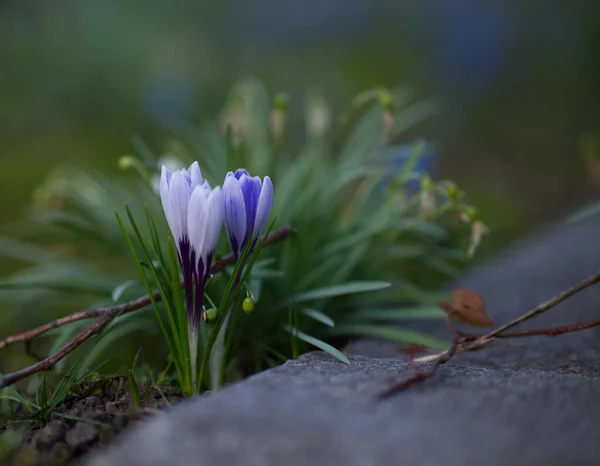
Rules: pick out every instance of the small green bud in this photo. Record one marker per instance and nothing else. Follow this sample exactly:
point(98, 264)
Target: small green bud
point(450, 190)
point(127, 161)
point(248, 305)
point(385, 100)
point(471, 213)
point(426, 184)
point(280, 101)
point(209, 314)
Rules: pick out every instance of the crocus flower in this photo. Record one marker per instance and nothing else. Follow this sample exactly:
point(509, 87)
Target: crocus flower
point(247, 203)
point(194, 213)
point(204, 220)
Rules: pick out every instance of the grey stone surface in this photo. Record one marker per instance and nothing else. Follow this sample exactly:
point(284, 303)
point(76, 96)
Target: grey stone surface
point(316, 411)
point(535, 402)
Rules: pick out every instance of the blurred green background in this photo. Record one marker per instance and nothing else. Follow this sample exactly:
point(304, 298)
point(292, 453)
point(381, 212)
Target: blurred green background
point(516, 84)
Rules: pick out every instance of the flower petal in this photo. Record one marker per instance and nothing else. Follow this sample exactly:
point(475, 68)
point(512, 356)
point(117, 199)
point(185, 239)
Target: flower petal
point(234, 212)
point(265, 201)
point(251, 188)
point(197, 221)
point(165, 178)
point(214, 220)
point(239, 172)
point(176, 204)
point(195, 174)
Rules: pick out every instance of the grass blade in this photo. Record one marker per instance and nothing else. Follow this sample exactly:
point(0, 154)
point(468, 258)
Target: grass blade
point(384, 332)
point(317, 343)
point(337, 290)
point(318, 316)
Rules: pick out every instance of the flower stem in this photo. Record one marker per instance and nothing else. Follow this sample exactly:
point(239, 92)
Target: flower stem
point(218, 354)
point(217, 357)
point(193, 340)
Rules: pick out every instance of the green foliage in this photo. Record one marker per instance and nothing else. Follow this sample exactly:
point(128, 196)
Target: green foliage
point(46, 405)
point(367, 240)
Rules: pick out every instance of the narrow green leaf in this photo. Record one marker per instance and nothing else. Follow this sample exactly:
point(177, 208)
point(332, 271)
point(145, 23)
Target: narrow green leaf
point(20, 250)
point(168, 338)
point(119, 290)
point(181, 311)
point(240, 276)
point(318, 343)
point(165, 292)
point(584, 213)
point(135, 390)
point(318, 316)
point(424, 312)
point(385, 332)
point(338, 290)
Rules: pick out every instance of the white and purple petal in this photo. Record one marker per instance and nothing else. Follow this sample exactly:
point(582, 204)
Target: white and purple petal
point(197, 221)
point(195, 174)
point(215, 216)
point(175, 195)
point(234, 212)
point(263, 208)
point(251, 187)
point(239, 172)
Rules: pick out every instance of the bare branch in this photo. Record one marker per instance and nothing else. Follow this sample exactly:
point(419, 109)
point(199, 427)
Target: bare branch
point(465, 342)
point(544, 307)
point(418, 377)
point(548, 332)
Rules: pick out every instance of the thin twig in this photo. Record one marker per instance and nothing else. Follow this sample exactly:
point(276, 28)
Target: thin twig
point(549, 332)
point(105, 314)
point(544, 307)
point(466, 342)
point(421, 376)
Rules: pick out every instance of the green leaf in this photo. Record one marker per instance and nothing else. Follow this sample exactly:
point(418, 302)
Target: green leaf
point(584, 213)
point(421, 228)
point(443, 267)
point(119, 290)
point(135, 390)
point(385, 332)
point(424, 312)
point(318, 343)
point(338, 290)
point(171, 338)
point(318, 316)
point(20, 250)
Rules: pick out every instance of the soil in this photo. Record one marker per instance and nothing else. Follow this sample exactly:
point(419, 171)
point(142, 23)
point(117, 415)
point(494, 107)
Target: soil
point(103, 411)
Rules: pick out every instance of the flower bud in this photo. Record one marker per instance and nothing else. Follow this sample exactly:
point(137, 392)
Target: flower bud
point(278, 117)
point(126, 161)
point(469, 214)
point(426, 184)
point(478, 229)
point(385, 100)
point(280, 101)
point(129, 161)
point(208, 315)
point(248, 305)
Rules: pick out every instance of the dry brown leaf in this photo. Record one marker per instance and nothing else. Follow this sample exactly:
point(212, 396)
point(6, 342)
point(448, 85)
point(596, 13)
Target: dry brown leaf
point(467, 308)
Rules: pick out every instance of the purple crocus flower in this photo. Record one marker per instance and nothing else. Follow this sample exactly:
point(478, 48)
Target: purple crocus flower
point(194, 213)
point(247, 204)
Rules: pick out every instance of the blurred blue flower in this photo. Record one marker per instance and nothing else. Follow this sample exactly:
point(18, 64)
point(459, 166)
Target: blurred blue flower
point(424, 164)
point(471, 47)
